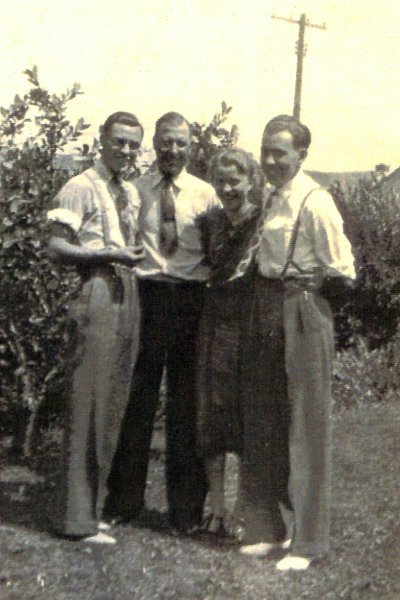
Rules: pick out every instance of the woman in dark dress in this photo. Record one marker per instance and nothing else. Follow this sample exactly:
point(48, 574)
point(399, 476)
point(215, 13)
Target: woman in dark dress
point(229, 231)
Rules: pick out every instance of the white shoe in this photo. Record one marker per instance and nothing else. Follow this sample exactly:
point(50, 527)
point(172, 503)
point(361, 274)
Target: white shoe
point(103, 526)
point(264, 548)
point(99, 538)
point(296, 563)
point(260, 549)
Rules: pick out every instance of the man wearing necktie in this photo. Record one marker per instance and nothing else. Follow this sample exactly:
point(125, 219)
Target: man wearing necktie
point(94, 226)
point(171, 287)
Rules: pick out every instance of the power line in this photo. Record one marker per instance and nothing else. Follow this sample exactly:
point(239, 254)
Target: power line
point(303, 22)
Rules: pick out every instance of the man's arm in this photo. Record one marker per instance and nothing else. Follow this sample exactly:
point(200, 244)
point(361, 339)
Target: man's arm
point(74, 202)
point(332, 247)
point(63, 251)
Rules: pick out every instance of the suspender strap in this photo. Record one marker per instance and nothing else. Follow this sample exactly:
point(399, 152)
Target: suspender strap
point(293, 239)
point(99, 196)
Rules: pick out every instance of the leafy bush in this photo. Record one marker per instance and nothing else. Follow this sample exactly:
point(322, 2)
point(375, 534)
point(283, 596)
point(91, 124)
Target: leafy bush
point(369, 369)
point(361, 375)
point(207, 138)
point(33, 294)
point(372, 224)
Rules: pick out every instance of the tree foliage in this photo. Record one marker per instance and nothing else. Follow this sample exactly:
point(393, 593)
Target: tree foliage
point(372, 225)
point(33, 294)
point(207, 138)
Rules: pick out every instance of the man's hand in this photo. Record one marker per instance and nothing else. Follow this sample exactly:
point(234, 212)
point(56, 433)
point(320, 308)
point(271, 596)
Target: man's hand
point(128, 256)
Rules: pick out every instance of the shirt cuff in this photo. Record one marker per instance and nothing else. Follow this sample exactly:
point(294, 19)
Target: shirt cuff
point(66, 217)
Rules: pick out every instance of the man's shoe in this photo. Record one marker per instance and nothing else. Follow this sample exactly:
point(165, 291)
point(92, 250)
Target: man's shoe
point(260, 549)
point(99, 538)
point(294, 563)
point(264, 548)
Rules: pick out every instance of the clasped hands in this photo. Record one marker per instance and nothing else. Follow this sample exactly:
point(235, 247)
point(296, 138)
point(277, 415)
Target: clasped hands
point(128, 256)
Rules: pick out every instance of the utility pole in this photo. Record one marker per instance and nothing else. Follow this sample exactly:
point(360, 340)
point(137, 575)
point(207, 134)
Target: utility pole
point(303, 22)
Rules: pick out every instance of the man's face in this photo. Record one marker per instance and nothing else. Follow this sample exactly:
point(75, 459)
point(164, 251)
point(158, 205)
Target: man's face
point(172, 146)
point(232, 187)
point(120, 146)
point(280, 160)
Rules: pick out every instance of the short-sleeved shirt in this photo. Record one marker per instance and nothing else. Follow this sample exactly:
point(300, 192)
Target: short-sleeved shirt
point(321, 243)
point(87, 204)
point(193, 199)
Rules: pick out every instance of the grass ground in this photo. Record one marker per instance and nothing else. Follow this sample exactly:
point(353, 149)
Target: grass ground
point(148, 563)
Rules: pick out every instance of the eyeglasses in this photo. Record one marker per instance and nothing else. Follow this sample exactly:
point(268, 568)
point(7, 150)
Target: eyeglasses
point(122, 143)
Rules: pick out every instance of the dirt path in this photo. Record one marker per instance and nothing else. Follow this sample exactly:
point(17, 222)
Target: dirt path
point(148, 563)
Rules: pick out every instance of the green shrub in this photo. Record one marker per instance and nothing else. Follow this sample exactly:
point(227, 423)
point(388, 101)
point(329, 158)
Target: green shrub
point(33, 294)
point(373, 226)
point(361, 375)
point(207, 138)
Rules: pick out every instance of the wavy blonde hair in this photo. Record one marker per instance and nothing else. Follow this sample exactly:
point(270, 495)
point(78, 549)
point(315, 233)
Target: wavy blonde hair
point(245, 164)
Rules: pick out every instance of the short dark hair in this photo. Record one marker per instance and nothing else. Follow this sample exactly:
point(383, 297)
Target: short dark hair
point(171, 118)
point(125, 118)
point(300, 133)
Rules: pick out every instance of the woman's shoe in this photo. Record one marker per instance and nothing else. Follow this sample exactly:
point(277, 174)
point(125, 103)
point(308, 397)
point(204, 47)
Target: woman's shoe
point(216, 525)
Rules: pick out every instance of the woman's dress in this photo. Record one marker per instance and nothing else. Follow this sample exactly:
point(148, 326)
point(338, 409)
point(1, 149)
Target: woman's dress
point(222, 333)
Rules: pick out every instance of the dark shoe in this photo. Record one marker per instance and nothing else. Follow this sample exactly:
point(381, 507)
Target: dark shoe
point(183, 528)
point(214, 525)
point(115, 519)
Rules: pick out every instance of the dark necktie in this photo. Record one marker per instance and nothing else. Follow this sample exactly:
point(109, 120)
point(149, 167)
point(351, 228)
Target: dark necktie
point(168, 230)
point(121, 204)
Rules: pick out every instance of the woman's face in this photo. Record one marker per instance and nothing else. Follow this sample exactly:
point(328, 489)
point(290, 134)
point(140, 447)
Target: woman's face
point(232, 187)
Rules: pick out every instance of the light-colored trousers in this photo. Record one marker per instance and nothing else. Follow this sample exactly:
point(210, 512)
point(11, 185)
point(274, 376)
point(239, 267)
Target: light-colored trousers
point(287, 419)
point(105, 320)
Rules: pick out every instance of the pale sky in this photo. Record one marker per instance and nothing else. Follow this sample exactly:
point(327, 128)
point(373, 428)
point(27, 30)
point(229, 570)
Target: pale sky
point(153, 56)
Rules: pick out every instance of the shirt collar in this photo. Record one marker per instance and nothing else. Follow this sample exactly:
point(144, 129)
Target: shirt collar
point(102, 170)
point(299, 181)
point(181, 181)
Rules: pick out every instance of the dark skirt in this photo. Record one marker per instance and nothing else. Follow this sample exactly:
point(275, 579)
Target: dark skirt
point(223, 330)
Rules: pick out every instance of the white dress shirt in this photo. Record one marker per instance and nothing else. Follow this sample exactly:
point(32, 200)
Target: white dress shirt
point(321, 243)
point(193, 199)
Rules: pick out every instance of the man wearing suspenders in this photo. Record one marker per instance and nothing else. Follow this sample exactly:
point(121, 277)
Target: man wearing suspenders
point(303, 256)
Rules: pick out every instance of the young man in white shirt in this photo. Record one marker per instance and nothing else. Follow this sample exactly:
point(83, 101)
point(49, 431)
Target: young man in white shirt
point(303, 255)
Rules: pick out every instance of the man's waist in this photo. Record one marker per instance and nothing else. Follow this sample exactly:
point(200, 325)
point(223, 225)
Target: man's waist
point(147, 282)
point(162, 278)
point(168, 270)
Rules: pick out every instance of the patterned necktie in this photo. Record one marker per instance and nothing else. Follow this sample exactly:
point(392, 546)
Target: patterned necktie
point(251, 251)
point(122, 206)
point(168, 229)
